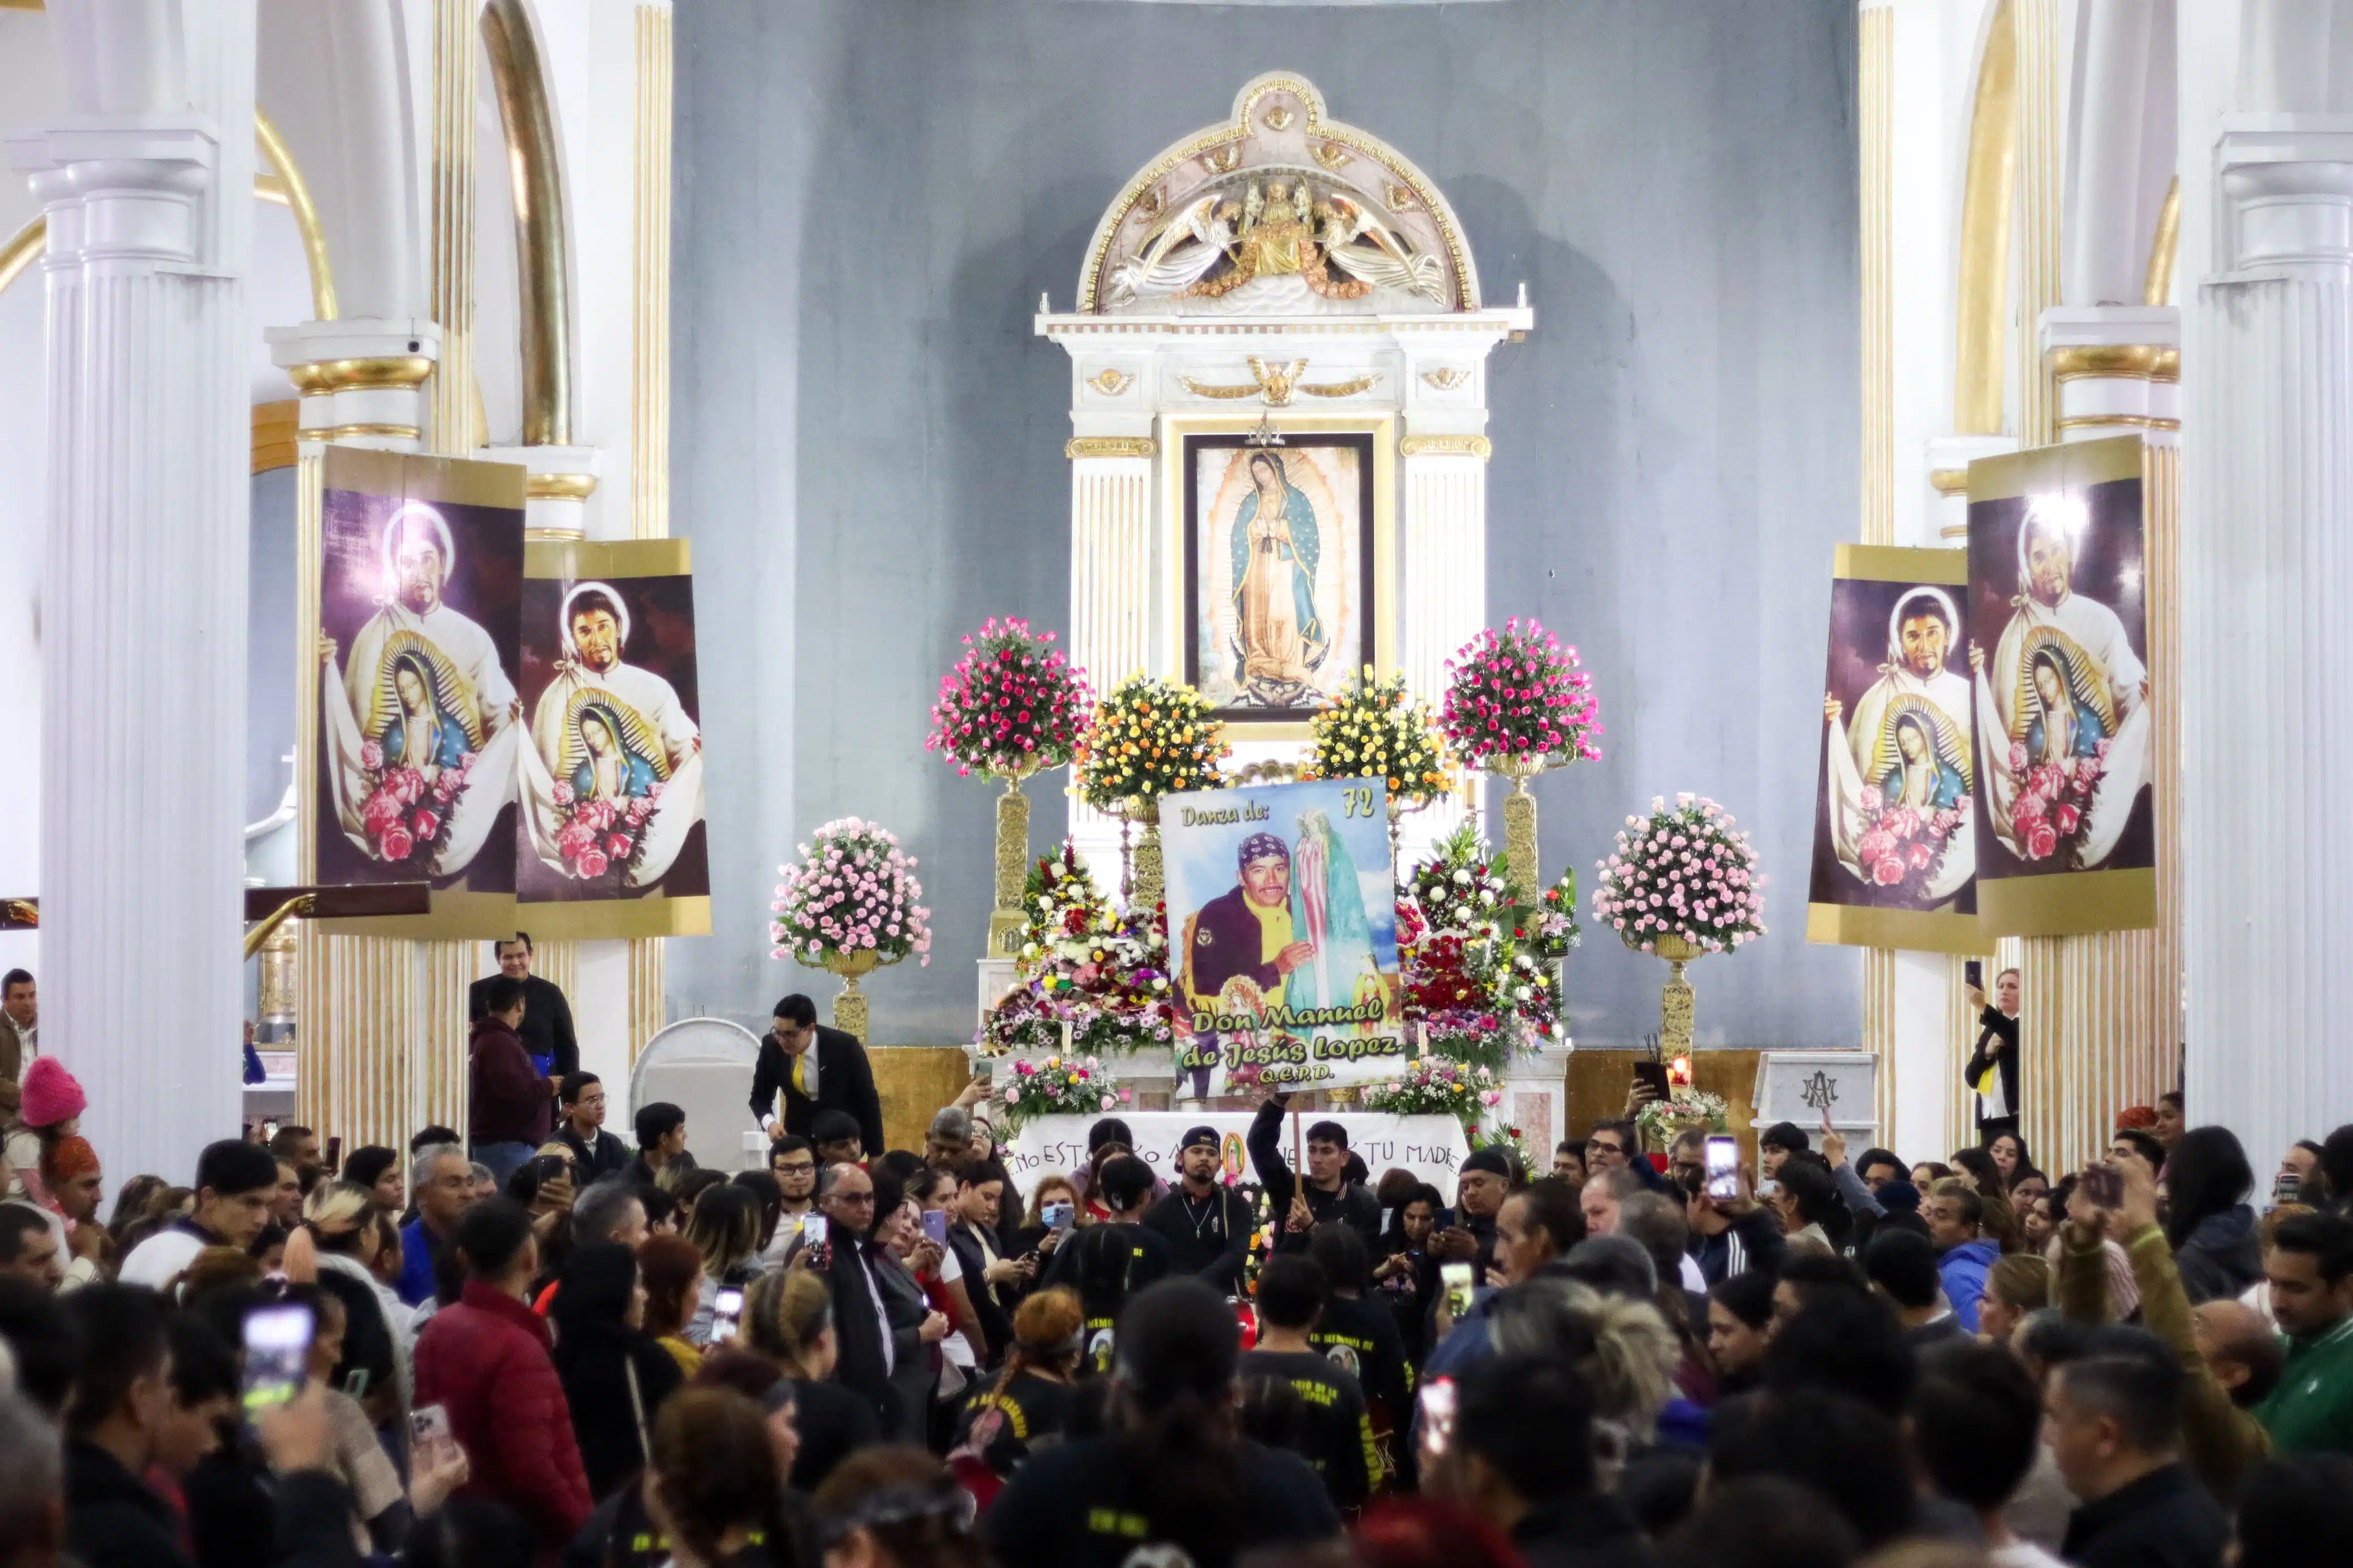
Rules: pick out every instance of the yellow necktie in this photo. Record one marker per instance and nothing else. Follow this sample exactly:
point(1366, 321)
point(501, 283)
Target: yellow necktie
point(800, 1074)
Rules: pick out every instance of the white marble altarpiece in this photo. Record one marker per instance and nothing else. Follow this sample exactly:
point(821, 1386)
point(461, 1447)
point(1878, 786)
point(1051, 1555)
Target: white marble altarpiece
point(1280, 268)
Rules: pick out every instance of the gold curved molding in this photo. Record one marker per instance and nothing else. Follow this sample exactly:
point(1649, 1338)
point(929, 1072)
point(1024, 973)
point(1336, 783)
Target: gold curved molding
point(277, 435)
point(1949, 482)
point(1981, 299)
point(2108, 361)
point(390, 373)
point(1109, 446)
point(564, 487)
point(297, 196)
point(1222, 144)
point(2157, 288)
point(384, 431)
point(286, 187)
point(1477, 447)
point(541, 266)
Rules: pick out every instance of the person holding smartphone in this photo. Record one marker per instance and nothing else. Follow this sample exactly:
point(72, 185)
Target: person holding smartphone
point(1992, 1072)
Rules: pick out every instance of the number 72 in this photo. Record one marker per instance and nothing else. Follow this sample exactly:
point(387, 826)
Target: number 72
point(1356, 803)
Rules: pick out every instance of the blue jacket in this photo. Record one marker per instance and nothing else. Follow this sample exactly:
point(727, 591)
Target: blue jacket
point(1964, 1271)
point(418, 1248)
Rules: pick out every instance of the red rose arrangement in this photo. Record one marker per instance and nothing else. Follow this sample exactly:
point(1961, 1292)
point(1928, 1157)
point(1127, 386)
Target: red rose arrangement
point(1519, 695)
point(1012, 705)
point(407, 816)
point(2055, 800)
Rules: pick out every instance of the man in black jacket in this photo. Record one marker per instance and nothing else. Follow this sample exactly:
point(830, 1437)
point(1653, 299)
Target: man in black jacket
point(1997, 1096)
point(2113, 1418)
point(995, 1283)
point(547, 1029)
point(815, 1069)
point(1205, 1223)
point(1327, 1194)
point(595, 1151)
point(861, 1324)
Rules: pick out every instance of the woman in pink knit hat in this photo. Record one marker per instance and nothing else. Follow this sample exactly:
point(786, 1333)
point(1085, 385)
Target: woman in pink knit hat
point(50, 1111)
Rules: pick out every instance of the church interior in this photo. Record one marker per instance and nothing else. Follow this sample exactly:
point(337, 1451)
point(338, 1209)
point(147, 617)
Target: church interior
point(1109, 445)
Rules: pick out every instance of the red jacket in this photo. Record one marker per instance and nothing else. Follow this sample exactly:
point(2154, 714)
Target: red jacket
point(510, 1097)
point(485, 1361)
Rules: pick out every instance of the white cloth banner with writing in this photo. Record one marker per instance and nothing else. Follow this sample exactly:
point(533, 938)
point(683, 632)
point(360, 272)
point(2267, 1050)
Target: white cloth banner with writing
point(1431, 1147)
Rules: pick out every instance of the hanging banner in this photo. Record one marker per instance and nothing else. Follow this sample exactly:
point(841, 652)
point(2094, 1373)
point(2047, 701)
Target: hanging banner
point(610, 841)
point(2058, 656)
point(1431, 1147)
point(419, 595)
point(1894, 862)
point(1282, 905)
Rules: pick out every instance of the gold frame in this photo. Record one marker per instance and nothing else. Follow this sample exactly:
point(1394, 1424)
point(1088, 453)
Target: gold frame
point(1387, 522)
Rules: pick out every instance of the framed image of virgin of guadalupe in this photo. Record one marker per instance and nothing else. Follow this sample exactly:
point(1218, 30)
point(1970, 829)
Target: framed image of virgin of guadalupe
point(1278, 549)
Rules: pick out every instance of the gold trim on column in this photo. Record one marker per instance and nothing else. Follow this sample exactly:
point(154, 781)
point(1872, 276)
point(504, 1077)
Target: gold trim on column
point(1949, 482)
point(650, 266)
point(1477, 447)
point(452, 192)
point(563, 487)
point(2041, 178)
point(22, 247)
point(1981, 298)
point(1874, 87)
point(518, 78)
point(2117, 422)
point(1108, 446)
point(306, 217)
point(275, 428)
point(2106, 361)
point(2158, 287)
point(373, 431)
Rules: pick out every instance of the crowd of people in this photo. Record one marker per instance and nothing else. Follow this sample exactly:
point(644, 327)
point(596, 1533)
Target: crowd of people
point(610, 1353)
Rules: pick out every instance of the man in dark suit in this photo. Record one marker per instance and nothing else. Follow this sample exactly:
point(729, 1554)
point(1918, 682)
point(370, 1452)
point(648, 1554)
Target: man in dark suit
point(866, 1355)
point(815, 1069)
point(1243, 933)
point(546, 1029)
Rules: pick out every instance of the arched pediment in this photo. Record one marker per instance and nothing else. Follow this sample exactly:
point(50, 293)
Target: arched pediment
point(1215, 224)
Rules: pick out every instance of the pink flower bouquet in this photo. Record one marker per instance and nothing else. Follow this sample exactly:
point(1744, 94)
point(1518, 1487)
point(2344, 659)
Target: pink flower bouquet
point(1012, 705)
point(1518, 697)
point(853, 891)
point(1683, 871)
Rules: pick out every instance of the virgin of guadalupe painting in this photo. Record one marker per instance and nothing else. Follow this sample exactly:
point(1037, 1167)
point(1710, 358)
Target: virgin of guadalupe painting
point(1279, 574)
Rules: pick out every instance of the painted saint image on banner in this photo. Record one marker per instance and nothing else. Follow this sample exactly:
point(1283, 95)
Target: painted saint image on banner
point(1282, 916)
point(1278, 580)
point(421, 723)
point(1898, 764)
point(2062, 692)
point(612, 780)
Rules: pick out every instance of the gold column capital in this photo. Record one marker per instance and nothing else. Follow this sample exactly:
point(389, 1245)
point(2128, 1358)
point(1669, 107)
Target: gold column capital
point(1477, 447)
point(1079, 446)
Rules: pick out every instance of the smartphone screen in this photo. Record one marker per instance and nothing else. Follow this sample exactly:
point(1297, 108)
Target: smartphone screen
point(430, 1438)
point(335, 1154)
point(2287, 1188)
point(1457, 1281)
point(277, 1355)
point(1437, 1401)
point(726, 1308)
point(1724, 1166)
point(936, 1226)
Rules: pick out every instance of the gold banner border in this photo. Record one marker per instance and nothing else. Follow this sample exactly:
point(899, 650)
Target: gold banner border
point(598, 920)
point(2071, 903)
point(2042, 468)
point(577, 559)
point(1918, 930)
point(1901, 563)
point(457, 916)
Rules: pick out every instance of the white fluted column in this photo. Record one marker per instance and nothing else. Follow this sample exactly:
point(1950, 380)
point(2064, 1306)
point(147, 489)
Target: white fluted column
point(1444, 567)
point(143, 590)
point(2267, 717)
point(1111, 594)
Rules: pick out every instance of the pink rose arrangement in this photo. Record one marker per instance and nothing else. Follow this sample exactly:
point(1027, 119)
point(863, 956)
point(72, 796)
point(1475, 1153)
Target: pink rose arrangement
point(1012, 705)
point(1518, 696)
point(598, 837)
point(406, 816)
point(2053, 804)
point(1434, 1086)
point(852, 891)
point(1683, 871)
point(1057, 1086)
point(1901, 846)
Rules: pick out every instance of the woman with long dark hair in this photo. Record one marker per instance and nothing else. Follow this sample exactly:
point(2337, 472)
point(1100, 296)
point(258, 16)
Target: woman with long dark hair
point(711, 1486)
point(615, 1378)
point(1171, 1465)
point(2206, 1219)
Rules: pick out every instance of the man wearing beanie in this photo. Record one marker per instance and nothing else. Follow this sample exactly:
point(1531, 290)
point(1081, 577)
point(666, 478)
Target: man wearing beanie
point(1205, 1223)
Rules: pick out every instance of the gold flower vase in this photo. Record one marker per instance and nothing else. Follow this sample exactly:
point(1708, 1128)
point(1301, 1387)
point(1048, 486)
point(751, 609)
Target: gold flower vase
point(1520, 821)
point(1008, 919)
point(850, 1006)
point(1677, 1004)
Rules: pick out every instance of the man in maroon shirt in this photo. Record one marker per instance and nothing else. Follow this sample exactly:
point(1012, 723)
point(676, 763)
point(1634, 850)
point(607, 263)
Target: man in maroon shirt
point(509, 1099)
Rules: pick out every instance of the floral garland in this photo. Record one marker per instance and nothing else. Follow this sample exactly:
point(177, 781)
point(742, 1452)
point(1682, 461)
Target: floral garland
point(1373, 729)
point(1683, 871)
point(1012, 705)
point(1518, 695)
point(1476, 991)
point(1150, 738)
point(1901, 846)
point(1435, 1086)
point(1660, 1121)
point(1082, 964)
point(1059, 1085)
point(853, 891)
point(2053, 808)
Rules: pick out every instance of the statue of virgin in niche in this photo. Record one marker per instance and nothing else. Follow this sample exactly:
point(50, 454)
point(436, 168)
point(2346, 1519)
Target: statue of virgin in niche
point(1280, 637)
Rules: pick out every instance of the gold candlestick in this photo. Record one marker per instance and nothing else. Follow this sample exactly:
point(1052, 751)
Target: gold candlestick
point(1151, 884)
point(849, 1006)
point(1677, 1003)
point(1008, 919)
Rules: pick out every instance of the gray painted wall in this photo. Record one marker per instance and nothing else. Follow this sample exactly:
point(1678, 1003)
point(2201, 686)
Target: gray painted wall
point(872, 195)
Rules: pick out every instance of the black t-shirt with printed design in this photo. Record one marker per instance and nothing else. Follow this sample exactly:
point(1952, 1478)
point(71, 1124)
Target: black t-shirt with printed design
point(1335, 1436)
